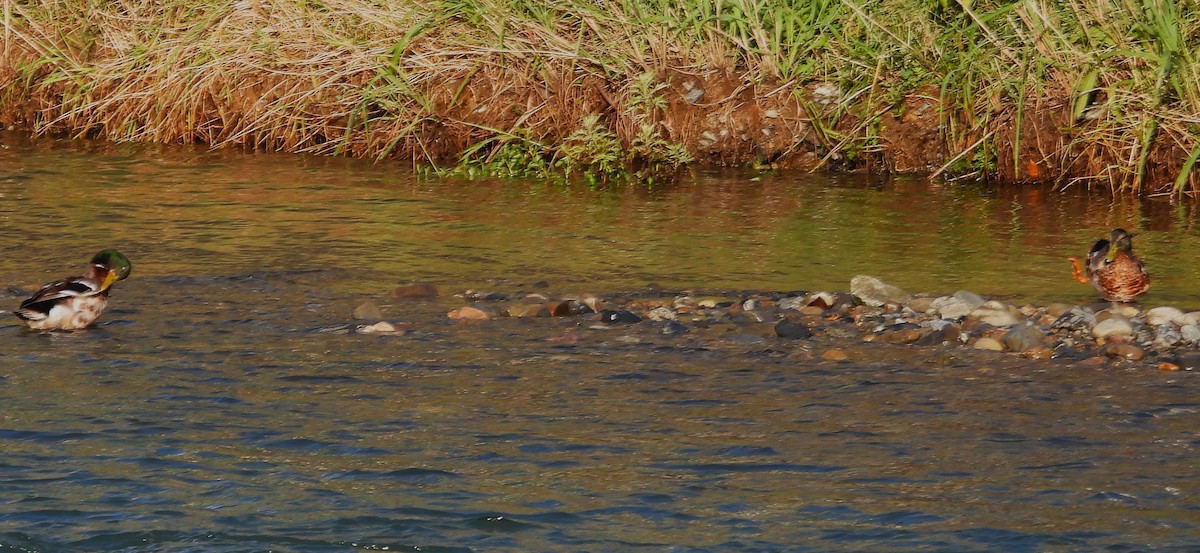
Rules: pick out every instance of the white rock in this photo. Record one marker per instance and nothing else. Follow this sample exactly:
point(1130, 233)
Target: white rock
point(996, 314)
point(1190, 333)
point(1165, 315)
point(381, 327)
point(990, 344)
point(875, 292)
point(1112, 327)
point(950, 307)
point(1192, 318)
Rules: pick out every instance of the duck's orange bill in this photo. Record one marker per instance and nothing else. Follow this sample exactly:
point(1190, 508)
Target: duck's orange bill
point(1078, 270)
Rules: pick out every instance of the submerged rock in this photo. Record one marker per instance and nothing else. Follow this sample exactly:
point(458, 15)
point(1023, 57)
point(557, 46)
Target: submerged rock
point(367, 310)
point(418, 290)
point(792, 330)
point(1023, 337)
point(619, 316)
point(874, 292)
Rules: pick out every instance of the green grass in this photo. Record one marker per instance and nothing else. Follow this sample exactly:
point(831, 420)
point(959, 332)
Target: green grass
point(1082, 92)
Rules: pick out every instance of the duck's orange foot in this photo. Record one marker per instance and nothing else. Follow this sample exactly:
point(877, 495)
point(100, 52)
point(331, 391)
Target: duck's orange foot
point(1078, 272)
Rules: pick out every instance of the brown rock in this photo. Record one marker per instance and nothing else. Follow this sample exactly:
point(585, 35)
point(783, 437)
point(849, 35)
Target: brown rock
point(419, 290)
point(901, 336)
point(469, 313)
point(1123, 350)
point(834, 354)
point(367, 310)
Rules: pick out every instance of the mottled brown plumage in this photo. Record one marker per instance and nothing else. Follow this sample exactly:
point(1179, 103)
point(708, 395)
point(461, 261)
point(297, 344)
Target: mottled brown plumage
point(1113, 269)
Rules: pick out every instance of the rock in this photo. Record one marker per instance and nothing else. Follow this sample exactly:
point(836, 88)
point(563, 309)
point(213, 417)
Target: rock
point(989, 344)
point(471, 313)
point(996, 314)
point(834, 354)
point(947, 333)
point(381, 327)
point(567, 308)
point(1190, 333)
point(619, 316)
point(1191, 318)
point(1057, 309)
point(1040, 353)
point(812, 310)
point(1023, 337)
point(1165, 315)
point(367, 310)
point(595, 304)
point(1123, 310)
point(418, 290)
point(1076, 318)
point(1189, 361)
point(900, 336)
point(529, 310)
point(970, 298)
point(874, 292)
point(1124, 351)
point(1114, 327)
point(673, 328)
point(793, 302)
point(921, 304)
point(824, 300)
point(1166, 336)
point(792, 330)
point(661, 314)
point(950, 307)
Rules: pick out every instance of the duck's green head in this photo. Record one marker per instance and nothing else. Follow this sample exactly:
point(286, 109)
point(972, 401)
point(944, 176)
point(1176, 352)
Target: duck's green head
point(1121, 241)
point(115, 264)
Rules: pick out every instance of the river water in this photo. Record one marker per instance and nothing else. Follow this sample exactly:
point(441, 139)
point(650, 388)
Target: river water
point(221, 406)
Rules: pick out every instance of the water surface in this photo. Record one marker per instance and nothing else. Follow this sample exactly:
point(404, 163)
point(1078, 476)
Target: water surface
point(222, 406)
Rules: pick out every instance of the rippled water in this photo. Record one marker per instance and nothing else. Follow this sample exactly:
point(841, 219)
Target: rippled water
point(221, 407)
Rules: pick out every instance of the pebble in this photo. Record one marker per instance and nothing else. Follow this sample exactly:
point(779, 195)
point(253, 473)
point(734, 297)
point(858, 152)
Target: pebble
point(996, 314)
point(367, 310)
point(1190, 333)
point(1165, 316)
point(989, 344)
point(1166, 336)
point(1112, 328)
point(792, 330)
point(874, 292)
point(950, 307)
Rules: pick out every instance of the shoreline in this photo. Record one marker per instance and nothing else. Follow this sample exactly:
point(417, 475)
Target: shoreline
point(625, 91)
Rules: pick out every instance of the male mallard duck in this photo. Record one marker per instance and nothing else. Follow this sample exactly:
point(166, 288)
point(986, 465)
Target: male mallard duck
point(74, 303)
point(1113, 269)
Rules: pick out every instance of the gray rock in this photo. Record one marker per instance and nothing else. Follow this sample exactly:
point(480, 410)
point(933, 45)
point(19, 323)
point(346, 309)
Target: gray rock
point(874, 292)
point(672, 328)
point(1113, 327)
point(1076, 318)
point(792, 330)
point(996, 314)
point(1165, 315)
point(1190, 333)
point(1166, 336)
point(1023, 337)
point(971, 298)
point(793, 302)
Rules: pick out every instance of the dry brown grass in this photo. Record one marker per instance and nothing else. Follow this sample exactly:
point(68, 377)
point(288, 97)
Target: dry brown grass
point(427, 81)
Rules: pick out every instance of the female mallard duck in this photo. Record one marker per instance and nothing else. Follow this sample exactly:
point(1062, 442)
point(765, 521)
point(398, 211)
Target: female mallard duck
point(74, 303)
point(1113, 269)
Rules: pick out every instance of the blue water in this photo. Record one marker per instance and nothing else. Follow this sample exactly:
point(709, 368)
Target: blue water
point(224, 403)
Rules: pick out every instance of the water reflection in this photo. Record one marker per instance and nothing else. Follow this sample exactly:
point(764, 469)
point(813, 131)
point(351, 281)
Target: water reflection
point(219, 407)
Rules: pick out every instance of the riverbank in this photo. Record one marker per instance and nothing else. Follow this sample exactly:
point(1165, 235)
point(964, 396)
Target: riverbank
point(837, 326)
point(1085, 93)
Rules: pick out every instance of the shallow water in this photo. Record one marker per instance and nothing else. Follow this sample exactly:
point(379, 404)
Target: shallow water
point(221, 406)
